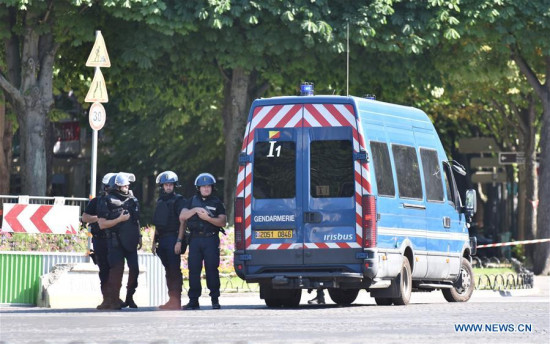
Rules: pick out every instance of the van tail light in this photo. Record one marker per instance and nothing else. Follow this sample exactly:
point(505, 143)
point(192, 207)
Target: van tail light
point(239, 223)
point(368, 203)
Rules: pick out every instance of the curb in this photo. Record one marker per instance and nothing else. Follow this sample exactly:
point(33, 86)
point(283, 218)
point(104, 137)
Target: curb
point(507, 293)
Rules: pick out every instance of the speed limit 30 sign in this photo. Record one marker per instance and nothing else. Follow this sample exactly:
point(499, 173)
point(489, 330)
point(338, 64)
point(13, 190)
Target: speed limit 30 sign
point(97, 116)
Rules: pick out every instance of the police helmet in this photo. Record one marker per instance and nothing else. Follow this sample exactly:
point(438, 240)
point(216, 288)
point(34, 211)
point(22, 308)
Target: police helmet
point(107, 178)
point(167, 177)
point(204, 179)
point(112, 184)
point(123, 178)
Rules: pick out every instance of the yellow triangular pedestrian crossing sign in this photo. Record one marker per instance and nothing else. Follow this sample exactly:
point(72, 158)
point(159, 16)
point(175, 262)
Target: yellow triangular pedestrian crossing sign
point(98, 90)
point(98, 57)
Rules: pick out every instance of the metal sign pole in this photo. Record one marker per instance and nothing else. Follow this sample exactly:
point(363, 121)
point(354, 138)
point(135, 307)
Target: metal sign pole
point(94, 165)
point(97, 94)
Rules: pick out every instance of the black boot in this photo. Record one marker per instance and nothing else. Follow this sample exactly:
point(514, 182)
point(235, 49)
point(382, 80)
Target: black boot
point(192, 305)
point(319, 299)
point(129, 302)
point(215, 303)
point(104, 296)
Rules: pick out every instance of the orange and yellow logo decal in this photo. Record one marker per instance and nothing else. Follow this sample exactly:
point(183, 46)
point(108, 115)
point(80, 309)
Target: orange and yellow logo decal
point(274, 134)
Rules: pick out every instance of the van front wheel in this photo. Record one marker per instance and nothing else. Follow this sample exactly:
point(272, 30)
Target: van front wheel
point(463, 287)
point(343, 296)
point(404, 281)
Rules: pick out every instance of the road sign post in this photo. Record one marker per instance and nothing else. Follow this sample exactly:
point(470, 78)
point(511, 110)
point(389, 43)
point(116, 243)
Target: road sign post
point(97, 94)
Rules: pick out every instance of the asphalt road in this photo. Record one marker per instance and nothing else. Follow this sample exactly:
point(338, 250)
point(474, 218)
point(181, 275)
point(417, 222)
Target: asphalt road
point(521, 317)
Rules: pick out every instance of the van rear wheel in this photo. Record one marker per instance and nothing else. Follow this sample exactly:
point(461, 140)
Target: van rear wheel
point(404, 282)
point(464, 286)
point(383, 301)
point(343, 296)
point(291, 298)
point(276, 298)
point(273, 302)
point(270, 297)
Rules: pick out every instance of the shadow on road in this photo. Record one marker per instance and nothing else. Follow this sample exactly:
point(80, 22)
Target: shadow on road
point(37, 310)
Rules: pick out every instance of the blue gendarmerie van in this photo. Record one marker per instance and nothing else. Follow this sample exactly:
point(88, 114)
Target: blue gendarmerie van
point(349, 193)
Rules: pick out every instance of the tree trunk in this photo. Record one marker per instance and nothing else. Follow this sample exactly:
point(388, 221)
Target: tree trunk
point(528, 197)
point(30, 92)
point(6, 137)
point(531, 183)
point(522, 201)
point(235, 112)
point(541, 263)
point(33, 130)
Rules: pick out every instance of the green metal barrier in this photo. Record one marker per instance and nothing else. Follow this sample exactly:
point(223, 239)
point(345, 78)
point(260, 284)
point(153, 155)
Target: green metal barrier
point(20, 278)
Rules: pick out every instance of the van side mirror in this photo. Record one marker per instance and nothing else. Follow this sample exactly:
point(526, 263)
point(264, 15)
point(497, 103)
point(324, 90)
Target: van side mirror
point(471, 204)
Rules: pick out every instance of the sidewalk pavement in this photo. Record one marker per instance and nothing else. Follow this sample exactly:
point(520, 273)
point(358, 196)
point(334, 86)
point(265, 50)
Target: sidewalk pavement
point(540, 288)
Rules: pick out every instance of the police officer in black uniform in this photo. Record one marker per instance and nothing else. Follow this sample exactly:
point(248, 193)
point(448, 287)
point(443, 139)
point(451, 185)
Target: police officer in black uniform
point(205, 216)
point(118, 214)
point(99, 238)
point(169, 236)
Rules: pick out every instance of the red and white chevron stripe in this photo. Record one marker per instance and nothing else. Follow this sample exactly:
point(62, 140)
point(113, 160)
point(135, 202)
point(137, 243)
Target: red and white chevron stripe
point(39, 218)
point(314, 115)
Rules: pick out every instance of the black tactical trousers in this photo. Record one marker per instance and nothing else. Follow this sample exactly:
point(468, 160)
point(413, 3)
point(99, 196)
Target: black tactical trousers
point(102, 260)
point(205, 249)
point(116, 261)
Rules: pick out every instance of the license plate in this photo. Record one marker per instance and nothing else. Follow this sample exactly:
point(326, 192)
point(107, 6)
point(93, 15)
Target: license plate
point(277, 234)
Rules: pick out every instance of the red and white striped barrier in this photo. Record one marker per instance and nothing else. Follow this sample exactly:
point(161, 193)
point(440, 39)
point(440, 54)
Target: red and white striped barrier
point(37, 218)
point(512, 243)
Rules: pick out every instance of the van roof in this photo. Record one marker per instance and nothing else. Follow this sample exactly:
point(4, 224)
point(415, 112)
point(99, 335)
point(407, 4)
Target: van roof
point(364, 106)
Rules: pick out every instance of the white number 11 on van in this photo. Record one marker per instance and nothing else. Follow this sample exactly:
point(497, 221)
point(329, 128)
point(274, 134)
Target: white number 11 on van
point(271, 146)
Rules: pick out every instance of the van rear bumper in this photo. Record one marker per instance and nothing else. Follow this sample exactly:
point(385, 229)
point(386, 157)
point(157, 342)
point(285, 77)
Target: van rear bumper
point(307, 280)
point(371, 263)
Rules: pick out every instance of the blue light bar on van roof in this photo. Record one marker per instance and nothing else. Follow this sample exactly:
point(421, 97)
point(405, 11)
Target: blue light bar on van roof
point(306, 89)
point(370, 96)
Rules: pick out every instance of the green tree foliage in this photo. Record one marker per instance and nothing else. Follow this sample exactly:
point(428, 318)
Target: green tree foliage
point(518, 31)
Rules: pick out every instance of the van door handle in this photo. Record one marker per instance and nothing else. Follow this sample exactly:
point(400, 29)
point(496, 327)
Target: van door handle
point(414, 206)
point(446, 222)
point(312, 217)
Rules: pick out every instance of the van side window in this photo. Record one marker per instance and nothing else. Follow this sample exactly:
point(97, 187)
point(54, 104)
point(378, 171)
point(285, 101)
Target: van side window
point(382, 168)
point(432, 174)
point(274, 170)
point(450, 190)
point(408, 171)
point(331, 169)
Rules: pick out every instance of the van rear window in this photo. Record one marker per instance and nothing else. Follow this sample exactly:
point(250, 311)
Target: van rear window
point(408, 171)
point(331, 169)
point(274, 170)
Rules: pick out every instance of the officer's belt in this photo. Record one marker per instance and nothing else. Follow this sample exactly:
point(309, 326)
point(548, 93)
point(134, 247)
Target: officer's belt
point(198, 234)
point(101, 235)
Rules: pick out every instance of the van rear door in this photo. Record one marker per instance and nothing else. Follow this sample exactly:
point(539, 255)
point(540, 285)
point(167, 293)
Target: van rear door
point(268, 184)
point(299, 186)
point(328, 185)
